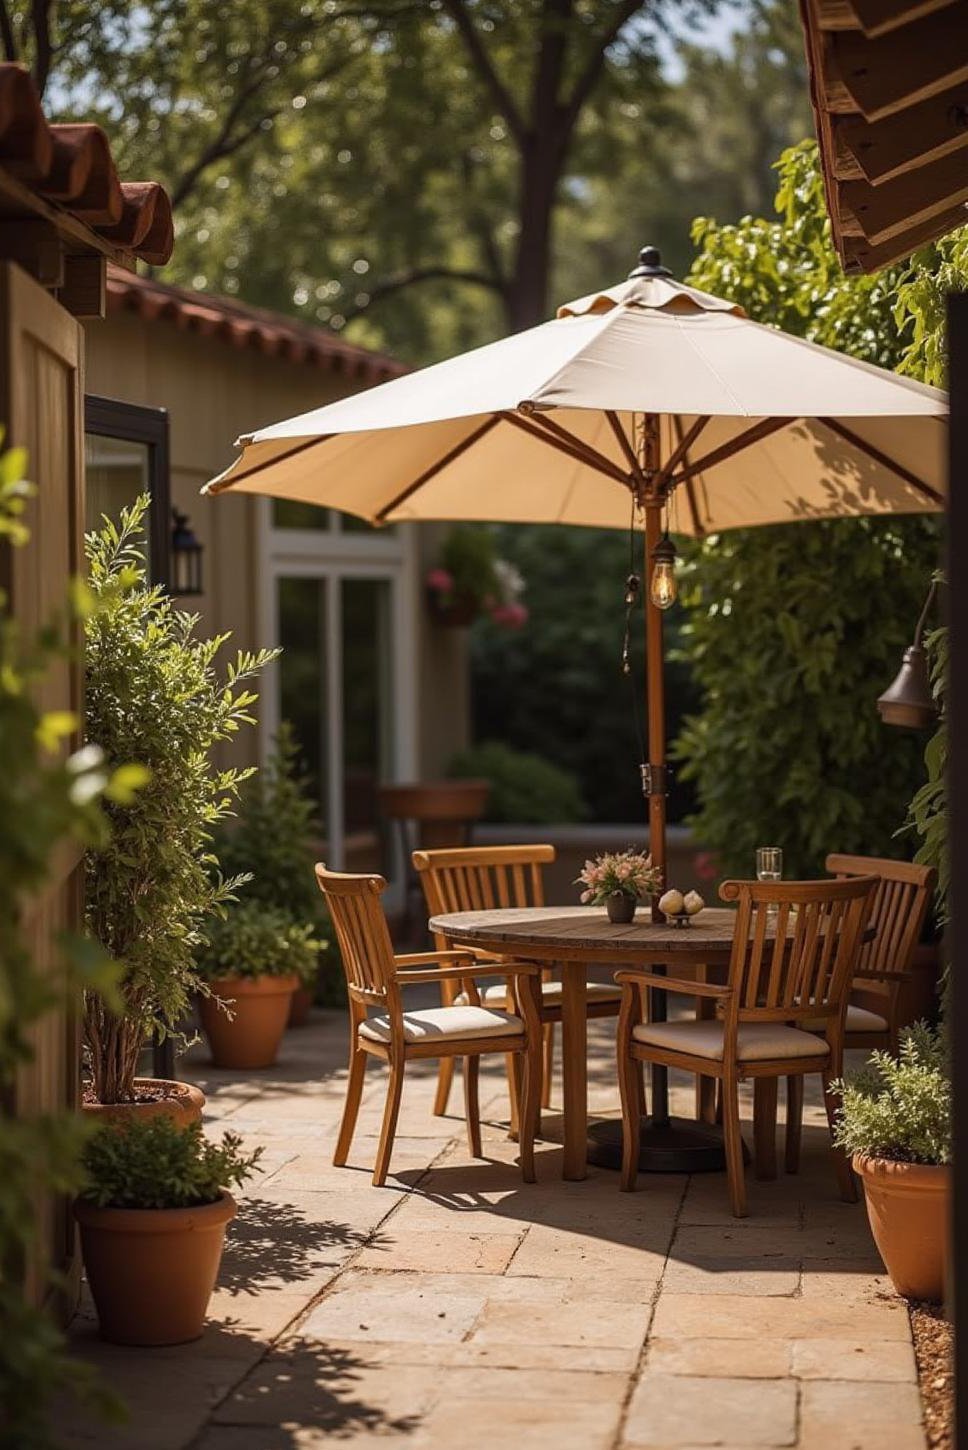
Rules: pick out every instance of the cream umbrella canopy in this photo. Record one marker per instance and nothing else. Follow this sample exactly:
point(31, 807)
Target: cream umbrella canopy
point(646, 396)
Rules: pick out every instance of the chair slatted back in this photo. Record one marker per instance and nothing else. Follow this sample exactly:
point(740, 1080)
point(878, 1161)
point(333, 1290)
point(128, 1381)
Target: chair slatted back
point(482, 878)
point(899, 905)
point(362, 934)
point(795, 946)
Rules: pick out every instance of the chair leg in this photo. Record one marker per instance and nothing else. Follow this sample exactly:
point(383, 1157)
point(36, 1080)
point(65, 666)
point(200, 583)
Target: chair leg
point(445, 1077)
point(472, 1109)
point(764, 1126)
point(845, 1174)
point(529, 1107)
point(705, 1086)
point(390, 1114)
point(640, 1085)
point(351, 1107)
point(794, 1122)
point(548, 1062)
point(735, 1172)
point(629, 1082)
point(515, 1073)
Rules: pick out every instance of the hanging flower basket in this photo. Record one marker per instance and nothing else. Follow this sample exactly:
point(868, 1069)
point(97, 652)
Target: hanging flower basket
point(453, 611)
point(470, 581)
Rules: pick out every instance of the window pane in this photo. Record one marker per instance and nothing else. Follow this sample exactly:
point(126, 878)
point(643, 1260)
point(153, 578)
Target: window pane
point(367, 715)
point(287, 514)
point(117, 472)
point(302, 673)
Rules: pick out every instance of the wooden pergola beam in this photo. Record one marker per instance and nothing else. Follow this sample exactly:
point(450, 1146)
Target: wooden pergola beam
point(889, 73)
point(918, 196)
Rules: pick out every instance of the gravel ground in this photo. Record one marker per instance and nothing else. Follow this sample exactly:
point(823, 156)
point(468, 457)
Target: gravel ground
point(933, 1342)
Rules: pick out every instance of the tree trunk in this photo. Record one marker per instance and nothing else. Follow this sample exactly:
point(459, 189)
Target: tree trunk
point(541, 163)
point(114, 1044)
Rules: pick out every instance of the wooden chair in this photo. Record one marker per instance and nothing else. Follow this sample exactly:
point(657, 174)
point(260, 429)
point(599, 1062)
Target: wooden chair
point(776, 983)
point(485, 878)
point(898, 907)
point(374, 978)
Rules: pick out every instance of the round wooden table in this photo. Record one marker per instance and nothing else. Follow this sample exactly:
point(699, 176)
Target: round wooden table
point(571, 937)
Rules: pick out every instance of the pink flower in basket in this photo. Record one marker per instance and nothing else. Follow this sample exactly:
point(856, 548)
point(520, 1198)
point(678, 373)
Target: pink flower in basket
point(441, 580)
point(512, 616)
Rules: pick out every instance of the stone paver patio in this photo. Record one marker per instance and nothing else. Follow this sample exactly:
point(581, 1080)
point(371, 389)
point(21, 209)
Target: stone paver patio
point(461, 1308)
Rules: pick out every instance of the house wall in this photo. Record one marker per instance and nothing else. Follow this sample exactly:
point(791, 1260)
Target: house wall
point(213, 392)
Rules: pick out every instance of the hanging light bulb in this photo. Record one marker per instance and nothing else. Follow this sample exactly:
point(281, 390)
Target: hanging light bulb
point(663, 587)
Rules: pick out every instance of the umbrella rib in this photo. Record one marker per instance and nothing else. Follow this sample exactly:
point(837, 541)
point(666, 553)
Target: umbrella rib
point(853, 438)
point(381, 515)
point(625, 445)
point(681, 451)
point(217, 485)
point(557, 437)
point(759, 431)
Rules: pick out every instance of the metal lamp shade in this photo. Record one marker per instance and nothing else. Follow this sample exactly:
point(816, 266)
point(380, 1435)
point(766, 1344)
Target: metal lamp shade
point(908, 701)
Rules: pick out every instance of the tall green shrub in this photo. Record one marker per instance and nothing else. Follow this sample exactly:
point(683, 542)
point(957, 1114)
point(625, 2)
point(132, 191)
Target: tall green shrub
point(154, 696)
point(49, 799)
point(794, 630)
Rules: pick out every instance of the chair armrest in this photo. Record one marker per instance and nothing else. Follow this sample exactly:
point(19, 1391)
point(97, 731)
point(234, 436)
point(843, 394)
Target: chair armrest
point(634, 978)
point(424, 959)
point(470, 971)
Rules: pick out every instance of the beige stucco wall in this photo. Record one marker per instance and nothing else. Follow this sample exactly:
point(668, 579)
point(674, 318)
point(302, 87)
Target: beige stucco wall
point(213, 392)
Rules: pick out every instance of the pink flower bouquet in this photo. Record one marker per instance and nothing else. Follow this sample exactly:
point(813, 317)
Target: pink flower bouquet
point(623, 873)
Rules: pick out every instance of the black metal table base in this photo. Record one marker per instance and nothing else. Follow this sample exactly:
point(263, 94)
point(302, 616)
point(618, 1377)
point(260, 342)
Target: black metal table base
point(673, 1146)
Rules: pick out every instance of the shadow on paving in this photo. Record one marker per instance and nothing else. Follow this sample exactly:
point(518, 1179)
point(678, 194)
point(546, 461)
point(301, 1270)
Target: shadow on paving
point(272, 1244)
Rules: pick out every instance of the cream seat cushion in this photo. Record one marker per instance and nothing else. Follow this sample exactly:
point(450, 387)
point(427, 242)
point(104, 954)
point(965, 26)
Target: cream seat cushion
point(445, 1023)
point(756, 1041)
point(859, 1019)
point(496, 996)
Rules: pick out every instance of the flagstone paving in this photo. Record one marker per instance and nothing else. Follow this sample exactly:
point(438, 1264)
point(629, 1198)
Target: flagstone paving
point(458, 1307)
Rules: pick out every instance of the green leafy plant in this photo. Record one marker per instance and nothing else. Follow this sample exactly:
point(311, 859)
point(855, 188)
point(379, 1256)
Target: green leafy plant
point(155, 697)
point(255, 940)
point(525, 789)
point(793, 631)
point(50, 805)
point(900, 1108)
point(275, 839)
point(155, 1163)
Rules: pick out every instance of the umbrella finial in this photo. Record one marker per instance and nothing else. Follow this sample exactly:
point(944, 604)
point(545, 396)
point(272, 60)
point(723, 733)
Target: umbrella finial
point(650, 264)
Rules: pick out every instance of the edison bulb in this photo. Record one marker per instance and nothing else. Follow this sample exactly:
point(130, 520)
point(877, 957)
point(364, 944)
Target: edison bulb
point(663, 588)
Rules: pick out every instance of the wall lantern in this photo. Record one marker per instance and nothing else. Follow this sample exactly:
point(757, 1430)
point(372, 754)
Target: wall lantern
point(186, 557)
point(909, 701)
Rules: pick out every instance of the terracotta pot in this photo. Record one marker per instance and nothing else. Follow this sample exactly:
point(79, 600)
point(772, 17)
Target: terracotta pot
point(260, 1011)
point(908, 1205)
point(620, 908)
point(300, 1007)
point(183, 1104)
point(152, 1270)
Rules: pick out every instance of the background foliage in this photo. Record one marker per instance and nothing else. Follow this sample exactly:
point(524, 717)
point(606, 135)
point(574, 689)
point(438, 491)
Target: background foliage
point(256, 940)
point(154, 697)
point(524, 788)
point(793, 631)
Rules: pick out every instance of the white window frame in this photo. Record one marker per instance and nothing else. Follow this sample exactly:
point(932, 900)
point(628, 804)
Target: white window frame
point(332, 555)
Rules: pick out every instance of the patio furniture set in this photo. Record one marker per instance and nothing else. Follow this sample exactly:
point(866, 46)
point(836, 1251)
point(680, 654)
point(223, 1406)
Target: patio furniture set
point(773, 980)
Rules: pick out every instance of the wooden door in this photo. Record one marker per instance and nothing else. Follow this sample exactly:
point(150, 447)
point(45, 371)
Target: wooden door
point(41, 357)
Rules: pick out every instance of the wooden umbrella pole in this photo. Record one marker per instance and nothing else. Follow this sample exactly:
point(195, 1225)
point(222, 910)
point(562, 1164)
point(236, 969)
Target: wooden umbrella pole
point(655, 783)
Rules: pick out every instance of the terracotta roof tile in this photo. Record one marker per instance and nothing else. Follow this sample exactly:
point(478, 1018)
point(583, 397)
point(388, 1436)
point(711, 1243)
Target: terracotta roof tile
point(72, 166)
point(243, 326)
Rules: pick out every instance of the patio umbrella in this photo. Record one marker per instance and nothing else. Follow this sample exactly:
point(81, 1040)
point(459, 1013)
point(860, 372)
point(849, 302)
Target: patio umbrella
point(645, 397)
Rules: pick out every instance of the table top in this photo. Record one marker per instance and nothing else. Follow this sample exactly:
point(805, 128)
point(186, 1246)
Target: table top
point(585, 931)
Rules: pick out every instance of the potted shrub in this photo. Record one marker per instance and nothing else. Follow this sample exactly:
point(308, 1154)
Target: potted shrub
point(895, 1121)
point(275, 838)
point(153, 696)
point(253, 961)
point(152, 1215)
point(616, 880)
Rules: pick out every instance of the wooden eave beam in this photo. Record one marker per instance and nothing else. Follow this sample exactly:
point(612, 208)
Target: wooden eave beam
point(901, 68)
point(895, 207)
point(859, 255)
point(873, 17)
point(882, 151)
point(19, 201)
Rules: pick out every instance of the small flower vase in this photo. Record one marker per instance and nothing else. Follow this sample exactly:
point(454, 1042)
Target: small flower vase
point(620, 907)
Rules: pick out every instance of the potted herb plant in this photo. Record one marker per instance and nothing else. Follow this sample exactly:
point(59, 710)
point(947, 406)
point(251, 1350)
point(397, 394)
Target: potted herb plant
point(275, 837)
point(252, 962)
point(895, 1121)
point(617, 880)
point(155, 697)
point(153, 1214)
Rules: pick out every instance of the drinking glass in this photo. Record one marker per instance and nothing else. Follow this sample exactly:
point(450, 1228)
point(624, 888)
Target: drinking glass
point(769, 867)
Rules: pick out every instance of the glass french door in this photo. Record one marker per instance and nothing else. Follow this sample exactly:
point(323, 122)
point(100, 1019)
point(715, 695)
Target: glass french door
point(336, 687)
